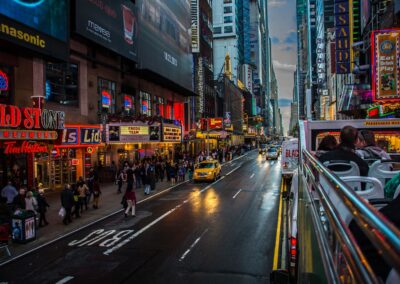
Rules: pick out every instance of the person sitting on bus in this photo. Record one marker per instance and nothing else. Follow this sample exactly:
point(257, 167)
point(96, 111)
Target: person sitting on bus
point(368, 148)
point(373, 255)
point(346, 150)
point(328, 143)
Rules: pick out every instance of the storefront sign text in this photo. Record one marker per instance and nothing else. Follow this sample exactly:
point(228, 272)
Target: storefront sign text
point(75, 135)
point(134, 130)
point(343, 36)
point(90, 136)
point(31, 118)
point(11, 134)
point(26, 147)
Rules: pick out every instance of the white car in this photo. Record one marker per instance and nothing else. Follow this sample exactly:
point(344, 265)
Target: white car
point(272, 154)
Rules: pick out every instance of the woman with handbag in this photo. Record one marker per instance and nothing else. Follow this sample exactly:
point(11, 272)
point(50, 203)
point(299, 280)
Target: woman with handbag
point(130, 197)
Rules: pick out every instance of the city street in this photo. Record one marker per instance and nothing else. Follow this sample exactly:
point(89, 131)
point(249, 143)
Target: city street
point(222, 232)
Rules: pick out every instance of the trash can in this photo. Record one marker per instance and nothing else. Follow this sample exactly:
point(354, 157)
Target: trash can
point(23, 226)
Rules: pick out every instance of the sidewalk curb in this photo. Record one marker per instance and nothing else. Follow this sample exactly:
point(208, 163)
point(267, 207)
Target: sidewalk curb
point(105, 217)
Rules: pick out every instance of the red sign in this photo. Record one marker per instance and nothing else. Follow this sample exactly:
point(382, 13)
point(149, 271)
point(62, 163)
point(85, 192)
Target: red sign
point(211, 123)
point(26, 147)
point(11, 134)
point(30, 118)
point(75, 162)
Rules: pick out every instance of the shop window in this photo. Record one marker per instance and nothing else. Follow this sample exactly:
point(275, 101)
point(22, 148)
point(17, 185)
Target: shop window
point(145, 103)
point(62, 83)
point(159, 105)
point(106, 90)
point(5, 84)
point(227, 1)
point(228, 29)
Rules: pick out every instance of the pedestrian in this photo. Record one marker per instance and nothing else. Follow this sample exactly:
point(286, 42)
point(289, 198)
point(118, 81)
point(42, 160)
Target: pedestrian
point(137, 173)
point(92, 176)
point(130, 198)
point(31, 203)
point(19, 200)
point(84, 194)
point(147, 185)
point(152, 176)
point(9, 192)
point(130, 176)
point(42, 208)
point(77, 201)
point(67, 201)
point(121, 178)
point(172, 175)
point(181, 173)
point(96, 195)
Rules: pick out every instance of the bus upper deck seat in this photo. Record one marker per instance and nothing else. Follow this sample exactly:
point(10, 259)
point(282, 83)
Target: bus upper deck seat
point(382, 170)
point(374, 188)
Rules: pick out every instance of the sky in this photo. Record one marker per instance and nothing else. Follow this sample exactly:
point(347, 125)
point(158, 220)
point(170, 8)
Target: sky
point(282, 28)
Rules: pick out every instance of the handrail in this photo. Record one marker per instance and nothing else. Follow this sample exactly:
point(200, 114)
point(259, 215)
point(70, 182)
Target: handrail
point(382, 233)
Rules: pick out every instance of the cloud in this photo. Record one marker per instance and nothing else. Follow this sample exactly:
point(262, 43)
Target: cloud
point(291, 38)
point(284, 102)
point(275, 40)
point(284, 66)
point(276, 3)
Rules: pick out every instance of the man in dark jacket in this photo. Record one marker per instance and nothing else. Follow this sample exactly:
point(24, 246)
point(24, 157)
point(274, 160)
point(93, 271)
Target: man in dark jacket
point(42, 206)
point(67, 201)
point(346, 150)
point(19, 200)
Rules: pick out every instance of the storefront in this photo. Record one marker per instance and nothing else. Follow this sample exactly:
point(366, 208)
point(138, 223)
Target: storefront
point(71, 158)
point(25, 134)
point(138, 139)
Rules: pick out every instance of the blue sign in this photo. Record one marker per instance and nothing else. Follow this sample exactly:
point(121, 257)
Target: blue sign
point(70, 136)
point(90, 136)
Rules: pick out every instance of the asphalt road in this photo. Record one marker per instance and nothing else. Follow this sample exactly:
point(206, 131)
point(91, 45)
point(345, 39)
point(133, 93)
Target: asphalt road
point(198, 233)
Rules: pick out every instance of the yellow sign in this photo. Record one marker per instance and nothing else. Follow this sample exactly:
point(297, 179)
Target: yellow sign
point(172, 134)
point(382, 123)
point(134, 130)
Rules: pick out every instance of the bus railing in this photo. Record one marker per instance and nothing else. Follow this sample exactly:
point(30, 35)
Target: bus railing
point(382, 233)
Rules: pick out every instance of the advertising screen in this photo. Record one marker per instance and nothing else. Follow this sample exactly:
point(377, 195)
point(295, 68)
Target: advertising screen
point(110, 23)
point(165, 42)
point(37, 24)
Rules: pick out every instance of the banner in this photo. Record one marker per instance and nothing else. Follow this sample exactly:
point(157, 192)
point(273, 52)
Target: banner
point(385, 71)
point(343, 36)
point(195, 25)
point(110, 23)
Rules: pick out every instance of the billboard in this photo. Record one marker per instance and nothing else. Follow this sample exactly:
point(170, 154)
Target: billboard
point(110, 23)
point(165, 42)
point(132, 132)
point(343, 36)
point(385, 72)
point(38, 25)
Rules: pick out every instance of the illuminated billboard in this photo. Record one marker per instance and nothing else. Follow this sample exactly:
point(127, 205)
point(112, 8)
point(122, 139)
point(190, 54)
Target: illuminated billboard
point(385, 72)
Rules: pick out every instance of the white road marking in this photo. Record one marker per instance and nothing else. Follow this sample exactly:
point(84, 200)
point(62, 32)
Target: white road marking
point(192, 246)
point(65, 280)
point(252, 175)
point(121, 244)
point(236, 194)
point(232, 171)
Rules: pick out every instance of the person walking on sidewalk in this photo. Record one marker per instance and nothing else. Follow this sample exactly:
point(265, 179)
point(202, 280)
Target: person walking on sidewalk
point(130, 177)
point(9, 192)
point(67, 201)
point(19, 200)
point(96, 195)
point(31, 202)
point(151, 173)
point(121, 178)
point(42, 208)
point(77, 201)
point(130, 198)
point(83, 191)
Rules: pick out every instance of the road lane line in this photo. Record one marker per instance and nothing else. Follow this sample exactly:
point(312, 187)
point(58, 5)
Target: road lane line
point(192, 246)
point(278, 232)
point(252, 175)
point(65, 280)
point(232, 171)
point(236, 194)
point(121, 244)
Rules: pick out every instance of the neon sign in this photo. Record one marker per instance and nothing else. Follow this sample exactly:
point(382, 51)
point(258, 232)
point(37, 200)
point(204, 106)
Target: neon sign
point(25, 148)
point(31, 118)
point(105, 99)
point(29, 4)
point(3, 81)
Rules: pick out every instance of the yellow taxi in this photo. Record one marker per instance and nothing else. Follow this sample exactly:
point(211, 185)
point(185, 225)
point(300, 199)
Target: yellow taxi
point(208, 170)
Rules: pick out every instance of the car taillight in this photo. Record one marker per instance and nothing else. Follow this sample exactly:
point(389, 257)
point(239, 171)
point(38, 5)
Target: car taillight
point(293, 248)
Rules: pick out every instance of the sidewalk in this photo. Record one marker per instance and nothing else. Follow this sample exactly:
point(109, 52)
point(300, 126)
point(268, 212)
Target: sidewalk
point(110, 202)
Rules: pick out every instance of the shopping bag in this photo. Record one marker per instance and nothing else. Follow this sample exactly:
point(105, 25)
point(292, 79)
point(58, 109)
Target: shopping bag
point(62, 212)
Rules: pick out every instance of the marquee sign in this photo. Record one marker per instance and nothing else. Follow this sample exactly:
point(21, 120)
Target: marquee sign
point(172, 134)
point(385, 71)
point(126, 132)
